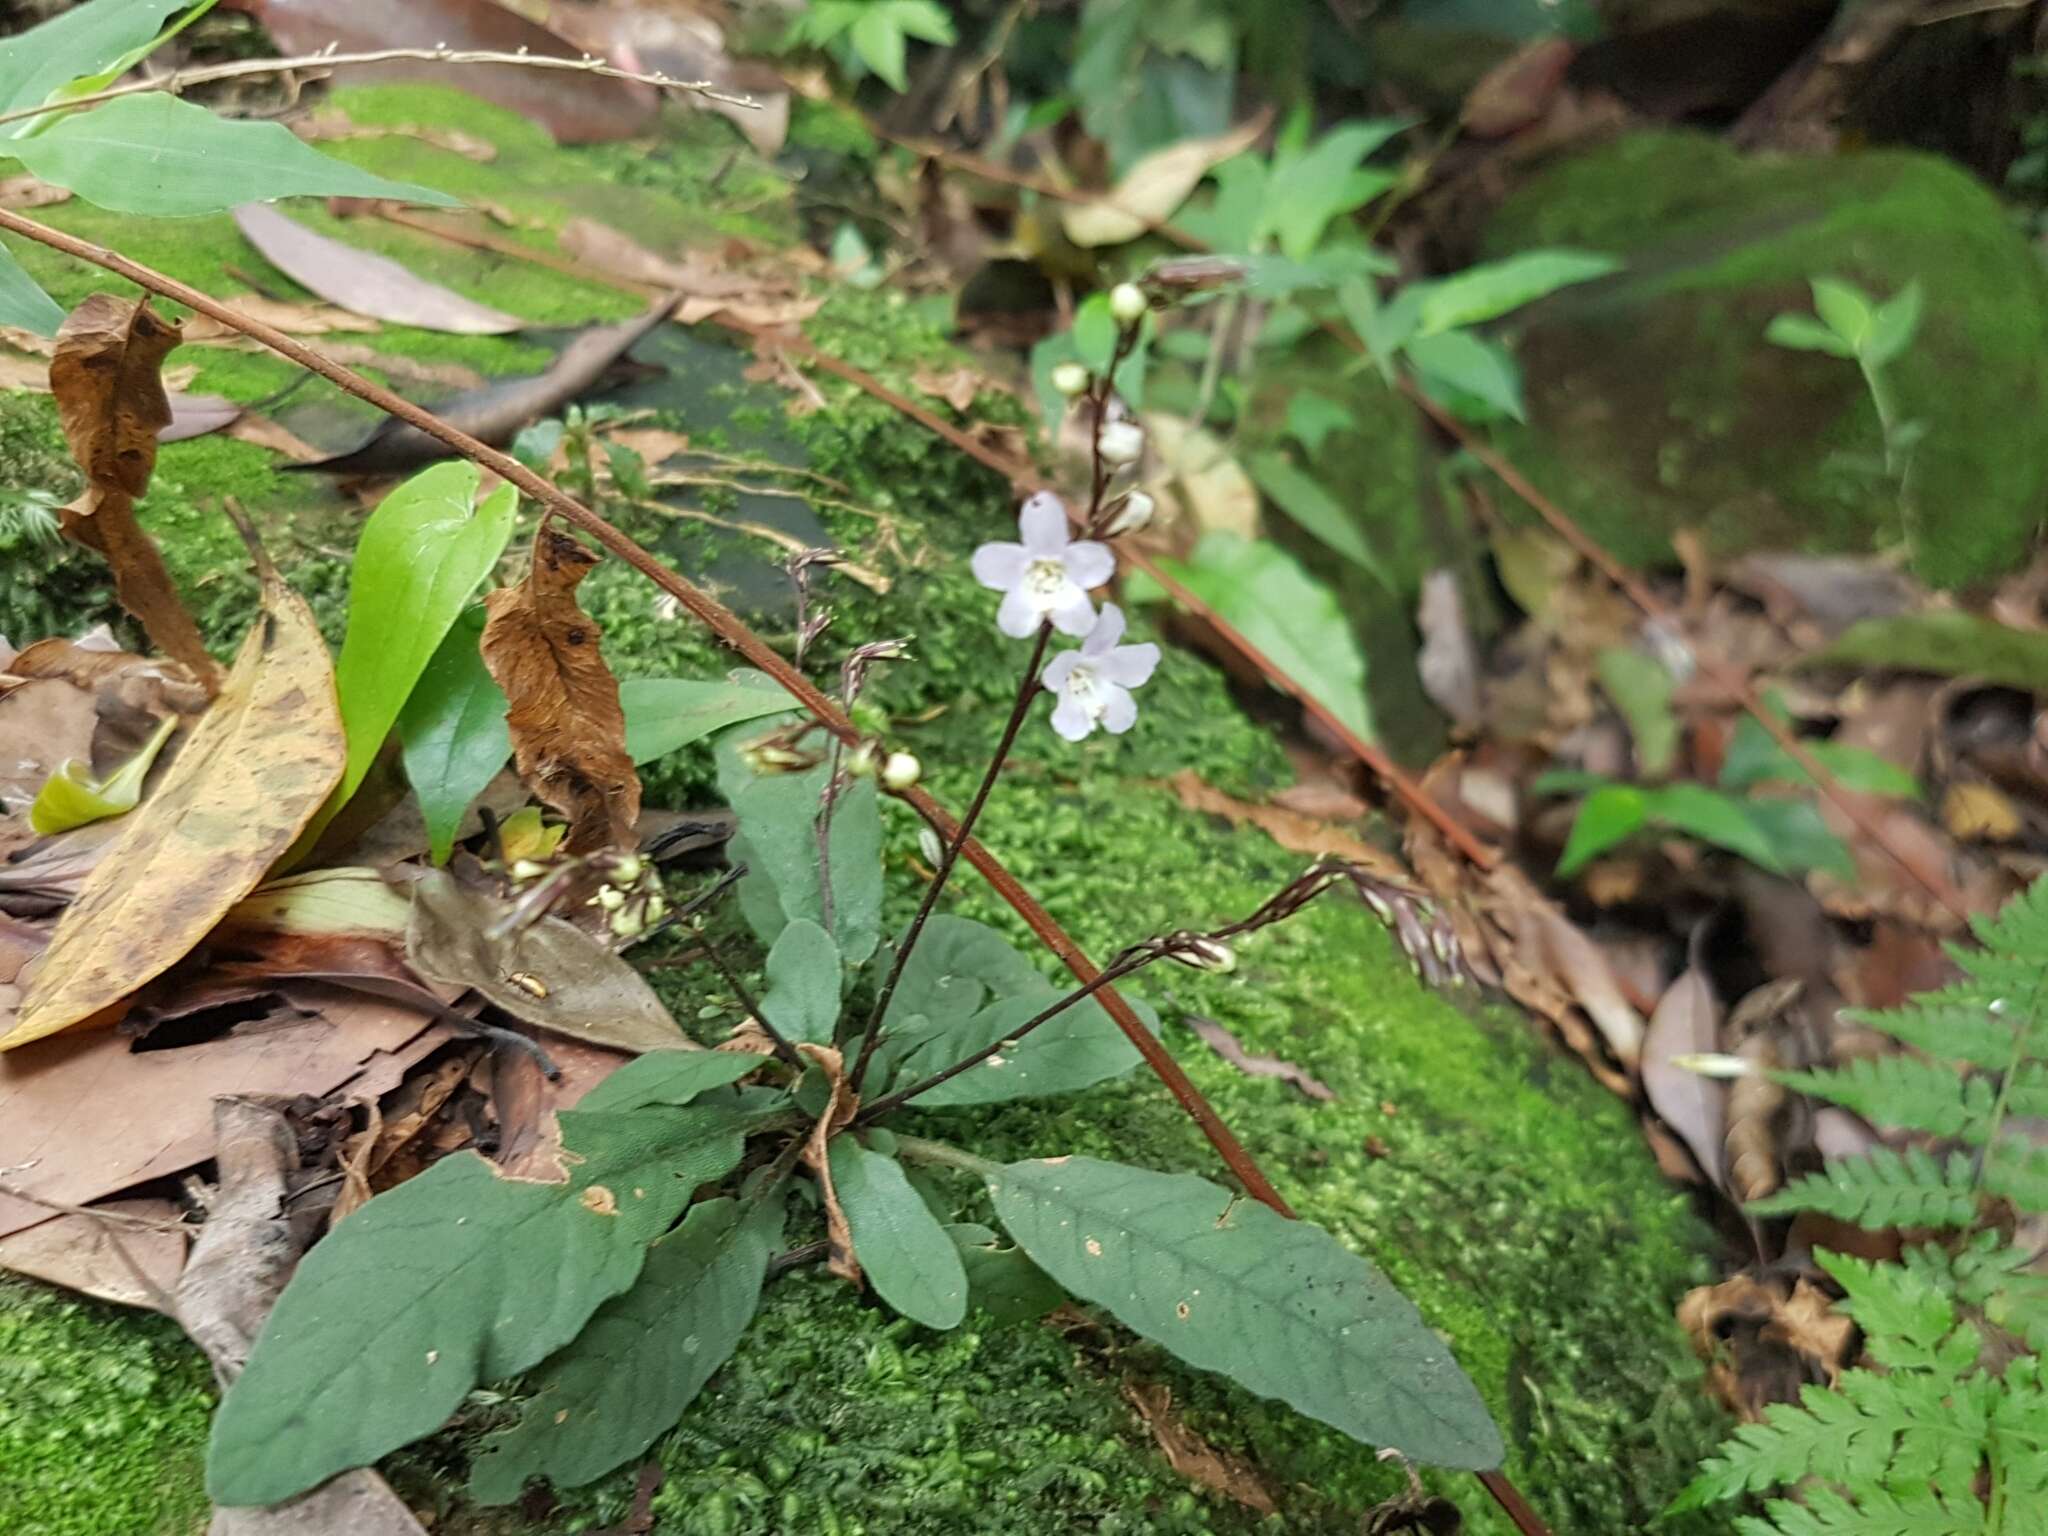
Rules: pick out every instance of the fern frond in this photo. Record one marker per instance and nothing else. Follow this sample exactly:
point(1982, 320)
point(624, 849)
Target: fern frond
point(1919, 1512)
point(1993, 1276)
point(2019, 929)
point(1908, 1092)
point(2026, 1096)
point(1955, 1024)
point(1904, 1315)
point(2016, 1169)
point(1825, 1429)
point(1884, 1189)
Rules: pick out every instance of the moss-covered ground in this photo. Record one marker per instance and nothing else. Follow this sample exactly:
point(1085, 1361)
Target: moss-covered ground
point(1509, 1196)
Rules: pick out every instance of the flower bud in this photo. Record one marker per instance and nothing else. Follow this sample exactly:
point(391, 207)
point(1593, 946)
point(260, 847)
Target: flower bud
point(610, 897)
point(862, 762)
point(653, 908)
point(900, 771)
point(1207, 955)
point(929, 845)
point(627, 869)
point(527, 869)
point(869, 718)
point(629, 922)
point(767, 758)
point(1121, 442)
point(1127, 302)
point(1133, 513)
point(1070, 379)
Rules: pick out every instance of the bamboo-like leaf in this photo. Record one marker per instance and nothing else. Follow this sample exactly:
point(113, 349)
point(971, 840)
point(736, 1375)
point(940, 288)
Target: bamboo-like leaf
point(907, 1256)
point(453, 732)
point(1279, 1306)
point(23, 303)
point(37, 63)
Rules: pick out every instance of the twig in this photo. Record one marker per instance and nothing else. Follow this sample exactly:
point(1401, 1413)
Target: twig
point(783, 1048)
point(181, 79)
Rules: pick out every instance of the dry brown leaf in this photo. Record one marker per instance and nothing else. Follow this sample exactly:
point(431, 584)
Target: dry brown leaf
point(1764, 1117)
point(1193, 1457)
point(568, 731)
point(414, 1104)
point(1979, 813)
point(251, 776)
point(956, 386)
point(709, 282)
point(417, 370)
point(1765, 1338)
point(1687, 1022)
point(1292, 830)
point(1228, 1046)
point(1518, 90)
point(99, 1255)
point(1154, 186)
point(1589, 976)
point(283, 314)
point(44, 723)
point(840, 1105)
point(265, 433)
point(24, 192)
point(106, 375)
point(1198, 479)
point(363, 282)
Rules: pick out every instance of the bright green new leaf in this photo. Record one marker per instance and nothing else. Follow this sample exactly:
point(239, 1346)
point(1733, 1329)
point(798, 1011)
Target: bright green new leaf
point(22, 303)
point(1893, 326)
point(419, 559)
point(1754, 757)
point(1641, 688)
point(71, 797)
point(911, 1262)
point(1715, 818)
point(877, 30)
point(1002, 1281)
point(645, 1356)
point(1947, 644)
point(673, 1077)
point(1846, 309)
point(1280, 1307)
point(1610, 815)
point(1309, 504)
point(1473, 376)
point(1803, 333)
point(456, 1277)
point(802, 1000)
point(1306, 190)
point(1294, 621)
point(83, 41)
point(155, 154)
point(666, 714)
point(452, 732)
point(1074, 1049)
point(1492, 289)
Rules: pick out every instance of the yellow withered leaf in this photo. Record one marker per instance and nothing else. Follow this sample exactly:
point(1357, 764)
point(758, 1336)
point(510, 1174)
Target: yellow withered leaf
point(256, 769)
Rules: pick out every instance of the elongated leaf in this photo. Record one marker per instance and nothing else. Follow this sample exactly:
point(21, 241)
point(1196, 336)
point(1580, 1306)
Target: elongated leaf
point(155, 154)
point(1457, 363)
point(1489, 291)
point(802, 1000)
point(912, 1263)
point(1610, 814)
point(22, 303)
point(82, 41)
point(1307, 190)
point(363, 282)
point(1152, 189)
point(1846, 309)
point(1293, 620)
point(1715, 818)
point(1641, 687)
point(956, 965)
point(1002, 1281)
point(1309, 504)
point(1803, 333)
point(1893, 326)
point(453, 732)
point(666, 714)
point(1278, 1306)
point(1946, 644)
point(1755, 758)
point(673, 1076)
point(456, 1277)
point(419, 559)
point(1074, 1050)
point(645, 1356)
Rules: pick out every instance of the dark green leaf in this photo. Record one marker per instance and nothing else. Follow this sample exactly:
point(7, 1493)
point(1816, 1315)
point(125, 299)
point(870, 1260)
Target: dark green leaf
point(1310, 505)
point(1754, 757)
point(1002, 1281)
point(453, 732)
point(1800, 839)
point(1947, 644)
point(456, 1277)
point(1715, 818)
point(644, 1357)
point(1494, 288)
point(907, 1255)
point(956, 965)
point(1075, 1049)
point(1610, 815)
point(802, 1000)
point(1312, 417)
point(22, 303)
point(665, 714)
point(671, 1076)
point(1279, 1306)
point(155, 154)
point(1457, 363)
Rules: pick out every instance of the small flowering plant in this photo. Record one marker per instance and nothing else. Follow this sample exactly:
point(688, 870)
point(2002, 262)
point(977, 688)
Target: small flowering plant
point(611, 1297)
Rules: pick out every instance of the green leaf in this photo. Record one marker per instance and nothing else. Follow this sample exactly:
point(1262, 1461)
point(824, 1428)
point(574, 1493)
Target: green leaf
point(907, 1255)
point(1261, 591)
point(1755, 757)
point(1846, 309)
point(1095, 331)
point(456, 1277)
point(1312, 417)
point(1073, 1050)
point(879, 42)
point(85, 40)
point(1279, 1306)
point(1893, 326)
point(1451, 364)
point(1947, 644)
point(802, 1000)
point(672, 1076)
point(1494, 288)
point(418, 561)
point(644, 1358)
point(155, 154)
point(1904, 1317)
point(1302, 499)
point(1384, 328)
point(666, 714)
point(1906, 1093)
point(1715, 818)
point(452, 732)
point(1002, 1281)
point(1803, 333)
point(1798, 837)
point(23, 304)
point(1883, 1189)
point(71, 797)
point(1305, 191)
point(956, 965)
point(1610, 815)
point(1641, 688)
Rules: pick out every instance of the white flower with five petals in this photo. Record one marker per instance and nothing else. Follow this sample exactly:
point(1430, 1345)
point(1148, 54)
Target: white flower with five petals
point(1047, 576)
point(1094, 683)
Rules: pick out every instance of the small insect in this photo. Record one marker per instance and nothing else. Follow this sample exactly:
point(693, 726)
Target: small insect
point(526, 981)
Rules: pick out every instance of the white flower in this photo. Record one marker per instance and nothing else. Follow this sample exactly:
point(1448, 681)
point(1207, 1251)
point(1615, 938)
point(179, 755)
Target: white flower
point(1045, 577)
point(1127, 303)
point(1135, 513)
point(1094, 683)
point(1121, 442)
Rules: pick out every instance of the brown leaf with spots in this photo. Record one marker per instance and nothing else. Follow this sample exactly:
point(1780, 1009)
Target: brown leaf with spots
point(839, 1109)
point(1766, 1336)
point(107, 376)
point(568, 731)
point(1193, 1457)
point(1293, 830)
point(254, 771)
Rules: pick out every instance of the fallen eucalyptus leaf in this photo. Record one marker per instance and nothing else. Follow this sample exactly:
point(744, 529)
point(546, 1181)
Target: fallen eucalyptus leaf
point(364, 282)
point(1685, 1024)
point(1153, 188)
point(1227, 1045)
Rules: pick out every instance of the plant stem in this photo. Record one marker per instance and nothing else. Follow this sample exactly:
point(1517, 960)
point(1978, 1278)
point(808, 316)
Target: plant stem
point(783, 1048)
point(943, 1154)
point(1027, 690)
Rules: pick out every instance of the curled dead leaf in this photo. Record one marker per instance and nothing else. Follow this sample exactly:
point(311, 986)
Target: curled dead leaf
point(568, 731)
point(840, 1105)
point(1765, 1337)
point(1193, 1457)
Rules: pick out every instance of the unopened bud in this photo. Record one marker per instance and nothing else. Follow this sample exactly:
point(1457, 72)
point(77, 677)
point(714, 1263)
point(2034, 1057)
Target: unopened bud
point(629, 922)
point(869, 717)
point(1207, 955)
point(766, 758)
point(1127, 302)
point(610, 897)
point(1134, 513)
point(929, 845)
point(653, 908)
point(526, 869)
point(900, 771)
point(1070, 379)
point(1121, 442)
point(861, 762)
point(627, 869)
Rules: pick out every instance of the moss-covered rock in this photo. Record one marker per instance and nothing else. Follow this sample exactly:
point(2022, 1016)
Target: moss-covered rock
point(1509, 1196)
point(1656, 404)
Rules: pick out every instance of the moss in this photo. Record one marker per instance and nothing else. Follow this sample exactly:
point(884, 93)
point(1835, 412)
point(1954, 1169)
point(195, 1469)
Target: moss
point(103, 1419)
point(1655, 402)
